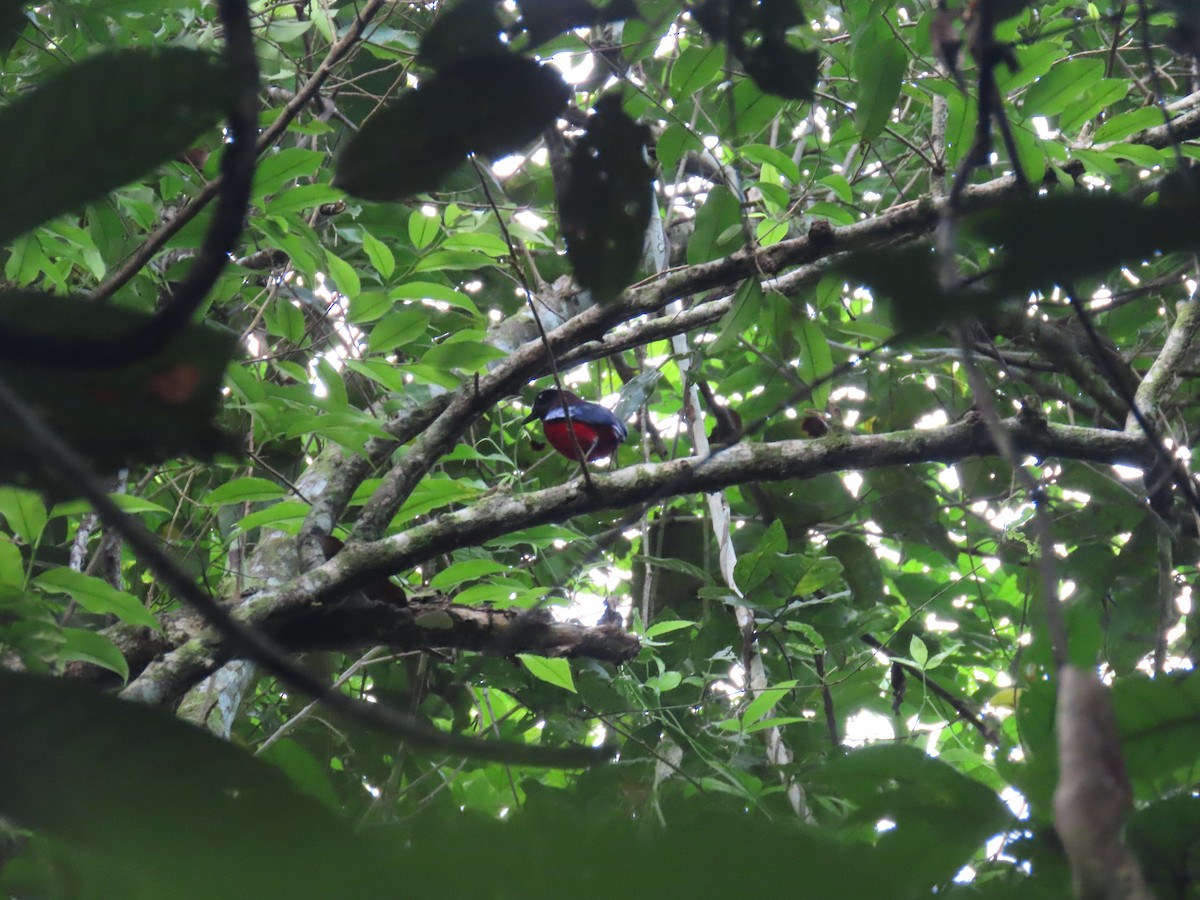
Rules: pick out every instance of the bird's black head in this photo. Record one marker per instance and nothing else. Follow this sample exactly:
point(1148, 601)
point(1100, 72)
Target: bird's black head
point(546, 400)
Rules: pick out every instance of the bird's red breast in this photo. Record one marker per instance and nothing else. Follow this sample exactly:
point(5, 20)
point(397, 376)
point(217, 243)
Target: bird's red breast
point(597, 431)
point(594, 443)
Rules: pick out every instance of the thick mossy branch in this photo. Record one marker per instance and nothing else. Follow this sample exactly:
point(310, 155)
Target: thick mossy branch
point(317, 592)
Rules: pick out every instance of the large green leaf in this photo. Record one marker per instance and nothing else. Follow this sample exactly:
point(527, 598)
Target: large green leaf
point(880, 61)
point(94, 126)
point(718, 230)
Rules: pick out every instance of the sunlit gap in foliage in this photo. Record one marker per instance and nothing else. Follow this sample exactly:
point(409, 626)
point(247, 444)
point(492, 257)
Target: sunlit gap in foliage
point(867, 727)
point(994, 849)
point(586, 607)
point(575, 68)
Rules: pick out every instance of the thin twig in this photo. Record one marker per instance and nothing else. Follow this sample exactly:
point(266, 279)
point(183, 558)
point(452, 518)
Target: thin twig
point(580, 456)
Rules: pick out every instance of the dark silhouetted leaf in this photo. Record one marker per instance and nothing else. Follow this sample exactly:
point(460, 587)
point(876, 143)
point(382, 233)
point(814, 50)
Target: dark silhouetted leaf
point(136, 797)
point(1166, 837)
point(492, 105)
point(544, 19)
point(1069, 236)
point(781, 69)
point(1159, 721)
point(1006, 9)
point(12, 21)
point(860, 569)
point(97, 125)
point(907, 278)
point(149, 409)
point(906, 506)
point(469, 28)
point(940, 815)
point(756, 33)
point(606, 204)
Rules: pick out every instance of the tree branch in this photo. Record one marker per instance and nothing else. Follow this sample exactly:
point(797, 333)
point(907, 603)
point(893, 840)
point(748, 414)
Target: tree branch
point(1157, 383)
point(502, 513)
point(358, 621)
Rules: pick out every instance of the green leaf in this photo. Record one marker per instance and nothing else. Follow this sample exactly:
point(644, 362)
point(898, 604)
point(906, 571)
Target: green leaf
point(469, 356)
point(766, 701)
point(124, 502)
point(816, 362)
point(860, 569)
point(369, 305)
point(397, 328)
point(1125, 124)
point(286, 515)
point(716, 217)
point(25, 513)
point(606, 205)
point(379, 254)
point(281, 167)
point(880, 61)
point(490, 104)
point(819, 574)
point(636, 393)
point(757, 566)
point(667, 681)
point(427, 290)
point(1159, 722)
point(667, 626)
point(434, 493)
point(932, 805)
point(553, 671)
point(422, 229)
point(468, 570)
point(99, 124)
point(284, 319)
point(1103, 95)
point(918, 651)
point(745, 311)
point(300, 197)
point(673, 143)
point(12, 566)
point(345, 279)
point(305, 771)
point(245, 490)
point(92, 647)
point(1068, 80)
point(771, 156)
point(96, 596)
point(694, 69)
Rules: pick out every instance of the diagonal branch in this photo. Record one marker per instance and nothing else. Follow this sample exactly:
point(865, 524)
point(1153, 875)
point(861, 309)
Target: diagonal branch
point(1156, 386)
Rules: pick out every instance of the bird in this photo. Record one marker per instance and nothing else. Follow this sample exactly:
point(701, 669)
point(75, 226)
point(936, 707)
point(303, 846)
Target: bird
point(597, 431)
